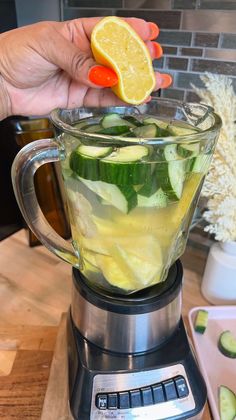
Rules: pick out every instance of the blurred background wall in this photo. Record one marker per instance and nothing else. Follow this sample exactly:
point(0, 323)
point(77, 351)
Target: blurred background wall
point(196, 35)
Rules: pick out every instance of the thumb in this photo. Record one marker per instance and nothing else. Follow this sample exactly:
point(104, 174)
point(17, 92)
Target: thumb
point(80, 65)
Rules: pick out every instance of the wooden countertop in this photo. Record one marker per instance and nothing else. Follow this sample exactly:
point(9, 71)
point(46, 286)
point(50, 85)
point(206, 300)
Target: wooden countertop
point(34, 292)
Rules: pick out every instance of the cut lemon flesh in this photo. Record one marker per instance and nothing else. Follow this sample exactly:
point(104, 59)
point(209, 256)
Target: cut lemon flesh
point(116, 45)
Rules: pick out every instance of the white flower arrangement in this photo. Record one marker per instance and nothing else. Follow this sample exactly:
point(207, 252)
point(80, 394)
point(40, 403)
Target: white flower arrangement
point(220, 183)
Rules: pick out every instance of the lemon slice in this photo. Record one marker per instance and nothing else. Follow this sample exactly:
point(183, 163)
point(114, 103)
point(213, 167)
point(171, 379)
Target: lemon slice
point(116, 45)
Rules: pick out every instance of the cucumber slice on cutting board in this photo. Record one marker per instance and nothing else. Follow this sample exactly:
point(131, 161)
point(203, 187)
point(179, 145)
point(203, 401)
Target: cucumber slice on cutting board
point(227, 399)
point(201, 321)
point(125, 166)
point(123, 198)
point(158, 199)
point(84, 161)
point(227, 344)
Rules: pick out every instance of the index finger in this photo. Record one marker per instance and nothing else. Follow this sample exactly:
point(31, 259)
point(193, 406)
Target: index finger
point(144, 29)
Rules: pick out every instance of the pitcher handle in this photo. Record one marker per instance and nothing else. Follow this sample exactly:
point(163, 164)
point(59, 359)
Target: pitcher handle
point(25, 164)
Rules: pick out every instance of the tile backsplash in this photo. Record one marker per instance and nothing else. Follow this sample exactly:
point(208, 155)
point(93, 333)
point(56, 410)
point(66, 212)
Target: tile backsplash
point(196, 35)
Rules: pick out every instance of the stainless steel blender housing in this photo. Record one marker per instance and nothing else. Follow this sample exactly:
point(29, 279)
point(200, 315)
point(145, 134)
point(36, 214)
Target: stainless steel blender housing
point(121, 348)
point(129, 324)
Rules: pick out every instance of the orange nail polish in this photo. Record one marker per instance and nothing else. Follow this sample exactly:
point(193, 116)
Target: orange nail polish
point(103, 76)
point(154, 31)
point(166, 80)
point(158, 50)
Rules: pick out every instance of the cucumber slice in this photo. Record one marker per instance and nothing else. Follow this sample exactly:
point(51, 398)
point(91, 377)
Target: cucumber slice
point(148, 189)
point(84, 161)
point(171, 175)
point(200, 163)
point(176, 177)
point(80, 124)
point(94, 151)
point(170, 152)
point(227, 403)
point(152, 120)
point(149, 131)
point(171, 178)
point(201, 321)
point(116, 130)
point(91, 128)
point(125, 166)
point(188, 150)
point(146, 131)
point(178, 128)
point(123, 198)
point(132, 120)
point(227, 344)
point(129, 154)
point(158, 199)
point(114, 120)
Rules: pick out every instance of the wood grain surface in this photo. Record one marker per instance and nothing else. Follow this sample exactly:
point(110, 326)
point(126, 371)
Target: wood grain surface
point(22, 391)
point(34, 292)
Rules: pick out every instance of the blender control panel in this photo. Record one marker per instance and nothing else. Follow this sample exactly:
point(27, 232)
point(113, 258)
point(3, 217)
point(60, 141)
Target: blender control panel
point(142, 395)
point(168, 390)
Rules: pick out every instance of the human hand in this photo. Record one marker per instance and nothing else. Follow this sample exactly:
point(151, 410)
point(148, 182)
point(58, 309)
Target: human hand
point(47, 65)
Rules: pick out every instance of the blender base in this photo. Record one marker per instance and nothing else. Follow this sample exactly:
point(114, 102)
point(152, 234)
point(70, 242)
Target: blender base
point(163, 383)
point(98, 377)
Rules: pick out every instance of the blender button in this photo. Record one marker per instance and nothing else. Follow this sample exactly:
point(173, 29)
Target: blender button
point(124, 400)
point(147, 395)
point(170, 390)
point(101, 401)
point(112, 401)
point(158, 393)
point(135, 398)
point(182, 388)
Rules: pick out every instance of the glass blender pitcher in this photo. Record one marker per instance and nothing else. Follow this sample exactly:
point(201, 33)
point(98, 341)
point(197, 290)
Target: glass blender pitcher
point(132, 177)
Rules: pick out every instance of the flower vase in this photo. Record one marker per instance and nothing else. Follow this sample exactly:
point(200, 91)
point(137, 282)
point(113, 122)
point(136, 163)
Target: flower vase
point(219, 279)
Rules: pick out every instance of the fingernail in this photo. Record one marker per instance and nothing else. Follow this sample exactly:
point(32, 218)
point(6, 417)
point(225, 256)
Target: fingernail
point(158, 51)
point(166, 80)
point(148, 100)
point(103, 76)
point(154, 31)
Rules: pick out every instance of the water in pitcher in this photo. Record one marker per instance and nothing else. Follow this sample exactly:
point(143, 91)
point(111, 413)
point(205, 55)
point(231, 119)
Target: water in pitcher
point(130, 207)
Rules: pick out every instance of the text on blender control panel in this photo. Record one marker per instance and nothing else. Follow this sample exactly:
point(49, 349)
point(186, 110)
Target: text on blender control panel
point(168, 390)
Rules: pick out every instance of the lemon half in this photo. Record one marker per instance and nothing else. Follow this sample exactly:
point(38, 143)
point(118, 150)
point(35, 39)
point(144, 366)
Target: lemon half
point(116, 45)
